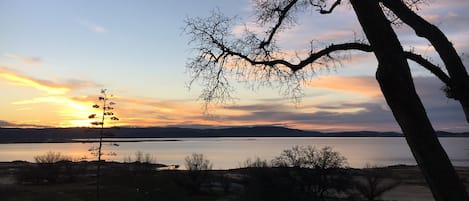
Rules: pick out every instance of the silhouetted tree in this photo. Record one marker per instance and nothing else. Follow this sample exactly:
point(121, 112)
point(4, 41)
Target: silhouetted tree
point(310, 157)
point(197, 162)
point(254, 57)
point(317, 172)
point(197, 165)
point(106, 106)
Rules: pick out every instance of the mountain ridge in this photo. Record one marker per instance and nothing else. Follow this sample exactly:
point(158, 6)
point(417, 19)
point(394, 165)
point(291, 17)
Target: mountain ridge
point(35, 135)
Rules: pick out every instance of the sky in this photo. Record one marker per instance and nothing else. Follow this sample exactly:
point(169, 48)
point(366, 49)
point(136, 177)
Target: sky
point(56, 56)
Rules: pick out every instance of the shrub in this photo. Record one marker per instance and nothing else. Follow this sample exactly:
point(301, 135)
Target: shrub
point(140, 157)
point(310, 157)
point(196, 162)
point(49, 167)
point(309, 173)
point(51, 157)
point(196, 176)
point(255, 163)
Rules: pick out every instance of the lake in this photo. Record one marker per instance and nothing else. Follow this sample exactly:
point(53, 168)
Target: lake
point(227, 153)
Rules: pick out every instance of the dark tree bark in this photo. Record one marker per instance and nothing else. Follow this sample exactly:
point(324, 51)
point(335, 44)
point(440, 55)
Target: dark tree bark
point(396, 83)
point(459, 83)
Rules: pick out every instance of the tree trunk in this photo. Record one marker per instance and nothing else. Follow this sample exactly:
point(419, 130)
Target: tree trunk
point(396, 83)
point(449, 56)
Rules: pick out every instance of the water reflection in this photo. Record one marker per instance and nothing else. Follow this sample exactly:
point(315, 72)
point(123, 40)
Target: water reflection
point(231, 152)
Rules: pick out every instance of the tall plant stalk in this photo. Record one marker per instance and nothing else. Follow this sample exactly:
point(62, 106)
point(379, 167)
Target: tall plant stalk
point(106, 112)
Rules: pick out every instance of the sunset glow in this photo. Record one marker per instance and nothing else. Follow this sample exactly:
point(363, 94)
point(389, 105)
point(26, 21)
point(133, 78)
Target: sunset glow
point(19, 80)
point(55, 57)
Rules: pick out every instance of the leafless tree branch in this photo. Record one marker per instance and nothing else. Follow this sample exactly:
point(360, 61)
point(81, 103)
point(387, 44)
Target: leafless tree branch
point(335, 4)
point(221, 55)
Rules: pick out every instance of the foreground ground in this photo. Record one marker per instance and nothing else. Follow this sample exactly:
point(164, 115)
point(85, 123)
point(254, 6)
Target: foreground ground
point(22, 181)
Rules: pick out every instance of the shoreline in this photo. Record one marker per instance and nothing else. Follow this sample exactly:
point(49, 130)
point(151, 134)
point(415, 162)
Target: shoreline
point(68, 135)
point(175, 139)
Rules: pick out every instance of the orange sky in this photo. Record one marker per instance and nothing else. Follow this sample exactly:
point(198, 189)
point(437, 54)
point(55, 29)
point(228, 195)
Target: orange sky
point(55, 57)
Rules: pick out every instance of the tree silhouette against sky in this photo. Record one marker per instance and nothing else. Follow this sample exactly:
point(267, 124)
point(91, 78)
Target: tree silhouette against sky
point(106, 106)
point(256, 57)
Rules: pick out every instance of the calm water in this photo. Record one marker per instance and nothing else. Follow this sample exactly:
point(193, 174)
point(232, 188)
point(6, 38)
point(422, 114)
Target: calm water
point(231, 152)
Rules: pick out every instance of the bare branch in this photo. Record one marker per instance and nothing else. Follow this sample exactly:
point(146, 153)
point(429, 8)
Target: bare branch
point(310, 59)
point(335, 4)
point(282, 15)
point(220, 56)
point(436, 70)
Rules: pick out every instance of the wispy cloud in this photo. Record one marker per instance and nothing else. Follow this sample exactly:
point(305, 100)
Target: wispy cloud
point(7, 124)
point(19, 79)
point(23, 59)
point(53, 99)
point(16, 78)
point(363, 86)
point(370, 113)
point(92, 26)
point(77, 83)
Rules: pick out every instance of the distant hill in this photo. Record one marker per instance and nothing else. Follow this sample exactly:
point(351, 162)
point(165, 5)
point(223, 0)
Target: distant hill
point(32, 135)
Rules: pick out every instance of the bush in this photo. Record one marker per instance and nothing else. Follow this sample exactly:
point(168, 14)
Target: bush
point(196, 176)
point(310, 157)
point(299, 173)
point(141, 160)
point(51, 157)
point(197, 162)
point(140, 157)
point(49, 168)
point(255, 163)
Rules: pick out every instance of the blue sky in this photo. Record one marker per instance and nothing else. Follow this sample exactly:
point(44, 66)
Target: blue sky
point(61, 53)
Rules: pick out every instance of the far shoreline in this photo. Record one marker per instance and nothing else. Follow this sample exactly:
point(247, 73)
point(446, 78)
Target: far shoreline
point(89, 135)
point(176, 139)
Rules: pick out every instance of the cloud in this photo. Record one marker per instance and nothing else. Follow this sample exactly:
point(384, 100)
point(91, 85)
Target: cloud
point(336, 35)
point(361, 85)
point(337, 114)
point(371, 116)
point(23, 80)
point(6, 124)
point(22, 59)
point(61, 110)
point(19, 79)
point(53, 99)
point(92, 26)
point(345, 114)
point(76, 83)
point(134, 111)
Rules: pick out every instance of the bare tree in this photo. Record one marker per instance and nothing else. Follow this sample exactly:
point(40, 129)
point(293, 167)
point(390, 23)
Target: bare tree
point(197, 162)
point(310, 157)
point(197, 165)
point(318, 172)
point(257, 57)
